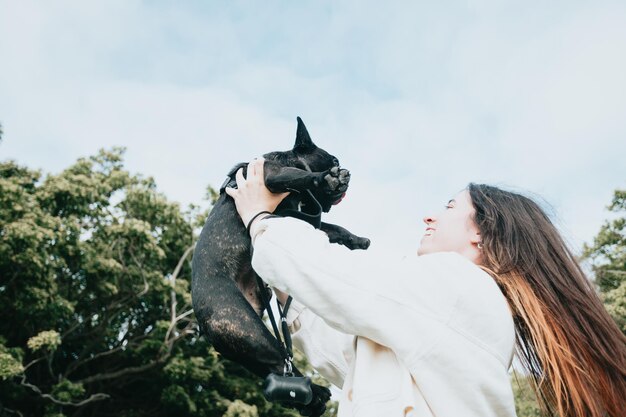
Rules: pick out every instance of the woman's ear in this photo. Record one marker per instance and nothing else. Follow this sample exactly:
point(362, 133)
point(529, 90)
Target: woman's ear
point(476, 238)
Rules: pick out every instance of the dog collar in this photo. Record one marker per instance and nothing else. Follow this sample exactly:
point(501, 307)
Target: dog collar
point(231, 181)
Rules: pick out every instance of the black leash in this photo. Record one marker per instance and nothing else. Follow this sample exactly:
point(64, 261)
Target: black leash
point(286, 388)
point(284, 325)
point(287, 346)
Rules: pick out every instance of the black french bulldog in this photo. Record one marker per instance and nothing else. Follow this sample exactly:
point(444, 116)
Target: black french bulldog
point(226, 297)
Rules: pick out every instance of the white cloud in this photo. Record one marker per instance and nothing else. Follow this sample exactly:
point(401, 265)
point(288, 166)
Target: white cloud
point(415, 100)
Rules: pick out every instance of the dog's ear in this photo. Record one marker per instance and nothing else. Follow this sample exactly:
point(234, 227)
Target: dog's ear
point(303, 140)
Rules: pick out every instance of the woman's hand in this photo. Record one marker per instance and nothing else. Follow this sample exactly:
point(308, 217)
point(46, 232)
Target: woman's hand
point(282, 297)
point(251, 195)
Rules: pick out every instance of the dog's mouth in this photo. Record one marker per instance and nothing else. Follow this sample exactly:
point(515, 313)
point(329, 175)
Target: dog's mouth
point(339, 199)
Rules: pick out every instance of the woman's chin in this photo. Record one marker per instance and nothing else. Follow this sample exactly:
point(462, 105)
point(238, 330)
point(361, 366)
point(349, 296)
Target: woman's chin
point(425, 246)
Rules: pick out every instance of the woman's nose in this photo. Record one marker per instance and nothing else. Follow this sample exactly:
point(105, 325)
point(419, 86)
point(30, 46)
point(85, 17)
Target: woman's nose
point(429, 219)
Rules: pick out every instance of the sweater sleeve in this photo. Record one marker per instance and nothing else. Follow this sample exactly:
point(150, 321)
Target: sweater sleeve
point(355, 292)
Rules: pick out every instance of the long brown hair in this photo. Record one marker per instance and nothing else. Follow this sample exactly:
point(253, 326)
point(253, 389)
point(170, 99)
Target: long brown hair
point(571, 347)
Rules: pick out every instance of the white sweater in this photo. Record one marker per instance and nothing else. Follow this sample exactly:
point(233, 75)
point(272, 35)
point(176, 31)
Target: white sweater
point(434, 333)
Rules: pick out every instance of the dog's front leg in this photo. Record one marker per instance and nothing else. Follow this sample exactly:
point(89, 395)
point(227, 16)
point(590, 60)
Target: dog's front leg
point(289, 178)
point(279, 178)
point(337, 234)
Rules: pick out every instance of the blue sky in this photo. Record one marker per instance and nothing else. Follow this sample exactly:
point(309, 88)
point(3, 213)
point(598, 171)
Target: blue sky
point(415, 98)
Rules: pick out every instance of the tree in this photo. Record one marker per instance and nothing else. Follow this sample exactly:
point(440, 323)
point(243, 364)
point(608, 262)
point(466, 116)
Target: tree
point(526, 404)
point(608, 258)
point(94, 296)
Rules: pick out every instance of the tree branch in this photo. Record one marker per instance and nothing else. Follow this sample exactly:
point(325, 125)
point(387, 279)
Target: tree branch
point(168, 341)
point(181, 261)
point(146, 286)
point(174, 322)
point(3, 409)
point(78, 363)
point(125, 371)
point(94, 397)
point(173, 302)
point(33, 362)
point(71, 329)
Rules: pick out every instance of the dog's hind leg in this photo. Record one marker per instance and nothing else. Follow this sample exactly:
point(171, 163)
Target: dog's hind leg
point(237, 332)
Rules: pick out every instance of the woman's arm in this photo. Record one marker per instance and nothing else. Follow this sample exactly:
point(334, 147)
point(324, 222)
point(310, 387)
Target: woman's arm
point(354, 292)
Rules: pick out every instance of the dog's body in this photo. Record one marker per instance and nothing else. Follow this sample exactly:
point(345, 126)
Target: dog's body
point(226, 297)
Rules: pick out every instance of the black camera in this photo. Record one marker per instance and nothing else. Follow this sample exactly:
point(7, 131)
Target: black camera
point(283, 388)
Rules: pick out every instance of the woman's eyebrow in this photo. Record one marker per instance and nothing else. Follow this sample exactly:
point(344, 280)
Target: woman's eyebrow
point(452, 201)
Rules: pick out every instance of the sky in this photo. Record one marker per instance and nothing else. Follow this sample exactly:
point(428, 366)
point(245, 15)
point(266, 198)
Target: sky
point(415, 98)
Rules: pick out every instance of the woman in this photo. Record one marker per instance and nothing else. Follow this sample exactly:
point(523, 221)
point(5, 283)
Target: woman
point(436, 333)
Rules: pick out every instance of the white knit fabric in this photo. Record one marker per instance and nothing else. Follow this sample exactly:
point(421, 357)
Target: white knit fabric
point(434, 335)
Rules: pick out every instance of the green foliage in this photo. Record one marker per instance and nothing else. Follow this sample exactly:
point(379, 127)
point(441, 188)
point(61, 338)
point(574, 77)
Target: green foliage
point(608, 257)
point(525, 400)
point(68, 391)
point(615, 303)
point(10, 361)
point(48, 339)
point(87, 258)
point(176, 401)
point(9, 366)
point(238, 408)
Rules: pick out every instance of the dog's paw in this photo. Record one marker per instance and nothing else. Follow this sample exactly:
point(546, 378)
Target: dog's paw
point(351, 241)
point(317, 406)
point(357, 242)
point(337, 179)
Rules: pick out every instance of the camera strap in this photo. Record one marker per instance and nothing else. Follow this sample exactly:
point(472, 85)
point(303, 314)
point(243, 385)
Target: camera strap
point(286, 388)
point(287, 346)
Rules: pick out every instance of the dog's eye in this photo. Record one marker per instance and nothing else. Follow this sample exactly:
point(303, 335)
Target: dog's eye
point(336, 162)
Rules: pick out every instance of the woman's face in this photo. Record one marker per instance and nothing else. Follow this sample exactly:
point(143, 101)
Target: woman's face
point(452, 229)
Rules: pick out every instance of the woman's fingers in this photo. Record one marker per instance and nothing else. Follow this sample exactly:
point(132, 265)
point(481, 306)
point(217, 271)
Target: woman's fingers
point(254, 174)
point(252, 195)
point(256, 166)
point(239, 177)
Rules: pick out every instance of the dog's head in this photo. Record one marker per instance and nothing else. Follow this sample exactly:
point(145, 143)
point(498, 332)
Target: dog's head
point(307, 156)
